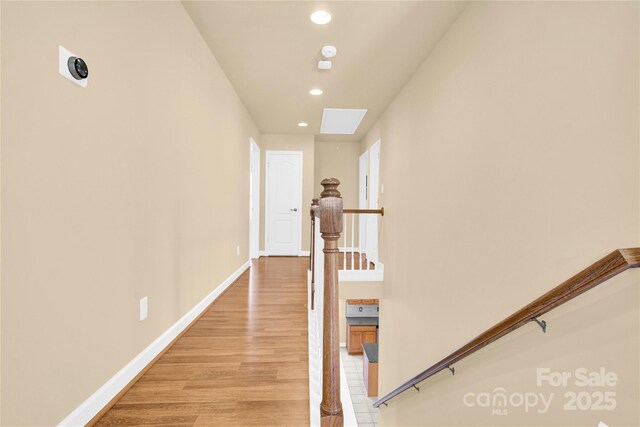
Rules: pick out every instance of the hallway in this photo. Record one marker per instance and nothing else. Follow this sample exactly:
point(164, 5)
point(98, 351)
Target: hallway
point(244, 362)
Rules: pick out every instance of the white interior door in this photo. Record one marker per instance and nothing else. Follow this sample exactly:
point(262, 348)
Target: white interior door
point(254, 199)
point(362, 200)
point(283, 202)
point(372, 222)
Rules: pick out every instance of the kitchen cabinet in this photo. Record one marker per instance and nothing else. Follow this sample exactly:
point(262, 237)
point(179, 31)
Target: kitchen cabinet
point(370, 369)
point(358, 335)
point(362, 301)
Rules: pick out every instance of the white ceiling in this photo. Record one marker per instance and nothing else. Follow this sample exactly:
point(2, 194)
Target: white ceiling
point(270, 49)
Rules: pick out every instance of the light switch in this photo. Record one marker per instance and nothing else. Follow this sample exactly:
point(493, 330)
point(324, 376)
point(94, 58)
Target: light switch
point(144, 308)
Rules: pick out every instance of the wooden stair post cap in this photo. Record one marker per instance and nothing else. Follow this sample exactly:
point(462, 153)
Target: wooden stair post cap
point(330, 188)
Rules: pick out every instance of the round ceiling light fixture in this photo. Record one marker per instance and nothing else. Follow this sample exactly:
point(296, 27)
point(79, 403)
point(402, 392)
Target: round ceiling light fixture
point(320, 17)
point(315, 92)
point(303, 124)
point(329, 51)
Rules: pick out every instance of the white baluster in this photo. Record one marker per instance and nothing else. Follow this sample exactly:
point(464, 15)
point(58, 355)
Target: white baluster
point(361, 249)
point(375, 265)
point(368, 244)
point(353, 218)
point(344, 240)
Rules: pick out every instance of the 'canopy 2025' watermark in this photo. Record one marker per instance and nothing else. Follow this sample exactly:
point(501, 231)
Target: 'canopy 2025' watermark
point(576, 391)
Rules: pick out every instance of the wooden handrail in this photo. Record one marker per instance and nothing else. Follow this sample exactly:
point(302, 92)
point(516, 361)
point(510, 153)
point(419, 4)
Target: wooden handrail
point(611, 265)
point(315, 211)
point(365, 211)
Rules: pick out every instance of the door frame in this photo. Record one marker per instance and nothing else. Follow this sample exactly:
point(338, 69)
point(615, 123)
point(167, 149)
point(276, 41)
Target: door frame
point(373, 238)
point(267, 218)
point(254, 199)
point(363, 190)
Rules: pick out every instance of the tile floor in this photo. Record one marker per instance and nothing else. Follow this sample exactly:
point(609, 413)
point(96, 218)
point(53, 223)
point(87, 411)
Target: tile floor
point(366, 414)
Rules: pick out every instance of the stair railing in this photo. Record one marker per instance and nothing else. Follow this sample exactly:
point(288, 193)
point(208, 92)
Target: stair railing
point(354, 257)
point(314, 211)
point(613, 264)
point(330, 209)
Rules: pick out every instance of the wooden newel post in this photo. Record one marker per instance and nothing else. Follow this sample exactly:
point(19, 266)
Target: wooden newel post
point(312, 254)
point(330, 228)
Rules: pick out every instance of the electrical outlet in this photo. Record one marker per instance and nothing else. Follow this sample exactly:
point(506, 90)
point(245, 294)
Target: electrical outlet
point(144, 308)
point(238, 250)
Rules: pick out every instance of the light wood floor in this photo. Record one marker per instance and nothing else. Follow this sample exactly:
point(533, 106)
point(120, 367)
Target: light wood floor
point(244, 362)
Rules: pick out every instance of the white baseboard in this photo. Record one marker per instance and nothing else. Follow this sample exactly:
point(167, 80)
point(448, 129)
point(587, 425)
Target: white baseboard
point(343, 344)
point(98, 400)
point(300, 253)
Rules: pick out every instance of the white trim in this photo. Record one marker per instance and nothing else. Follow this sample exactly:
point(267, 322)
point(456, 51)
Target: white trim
point(264, 253)
point(254, 223)
point(373, 237)
point(363, 202)
point(314, 333)
point(343, 344)
point(304, 253)
point(101, 398)
point(348, 410)
point(376, 275)
point(266, 195)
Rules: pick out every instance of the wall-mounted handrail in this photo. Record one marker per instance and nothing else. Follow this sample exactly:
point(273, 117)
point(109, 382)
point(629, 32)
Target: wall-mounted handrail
point(611, 265)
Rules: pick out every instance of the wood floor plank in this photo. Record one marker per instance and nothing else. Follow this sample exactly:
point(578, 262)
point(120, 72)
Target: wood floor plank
point(244, 362)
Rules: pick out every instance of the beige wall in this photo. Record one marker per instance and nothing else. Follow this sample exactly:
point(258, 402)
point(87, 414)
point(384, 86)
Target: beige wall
point(304, 143)
point(338, 160)
point(510, 161)
point(135, 186)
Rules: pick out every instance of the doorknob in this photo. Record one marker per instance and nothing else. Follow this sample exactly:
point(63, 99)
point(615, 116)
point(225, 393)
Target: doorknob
point(294, 210)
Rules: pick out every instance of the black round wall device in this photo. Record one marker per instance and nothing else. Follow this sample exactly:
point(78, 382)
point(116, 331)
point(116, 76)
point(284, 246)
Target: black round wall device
point(78, 68)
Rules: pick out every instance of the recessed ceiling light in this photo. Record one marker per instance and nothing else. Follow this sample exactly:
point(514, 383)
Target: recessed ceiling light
point(315, 92)
point(320, 17)
point(303, 124)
